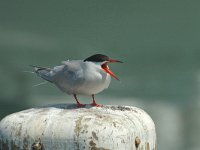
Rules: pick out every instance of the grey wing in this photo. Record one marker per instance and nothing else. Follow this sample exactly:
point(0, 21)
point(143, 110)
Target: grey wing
point(73, 72)
point(69, 76)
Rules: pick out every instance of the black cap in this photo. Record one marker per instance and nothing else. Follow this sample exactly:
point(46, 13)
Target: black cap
point(97, 58)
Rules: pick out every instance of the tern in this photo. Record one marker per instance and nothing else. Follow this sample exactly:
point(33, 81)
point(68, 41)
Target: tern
point(80, 77)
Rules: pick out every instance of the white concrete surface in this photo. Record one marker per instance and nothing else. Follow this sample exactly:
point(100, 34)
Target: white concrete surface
point(60, 127)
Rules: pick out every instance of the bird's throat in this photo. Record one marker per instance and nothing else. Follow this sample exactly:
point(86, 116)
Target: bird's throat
point(107, 70)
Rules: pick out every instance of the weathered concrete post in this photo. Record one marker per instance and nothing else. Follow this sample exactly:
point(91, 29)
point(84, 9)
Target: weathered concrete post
point(66, 127)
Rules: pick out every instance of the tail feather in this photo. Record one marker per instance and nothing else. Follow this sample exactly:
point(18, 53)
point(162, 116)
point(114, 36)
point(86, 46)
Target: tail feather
point(45, 73)
point(40, 83)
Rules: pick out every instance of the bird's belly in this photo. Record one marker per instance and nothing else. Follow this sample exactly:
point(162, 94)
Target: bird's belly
point(93, 86)
point(85, 84)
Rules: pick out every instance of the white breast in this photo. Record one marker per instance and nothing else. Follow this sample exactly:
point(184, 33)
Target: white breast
point(95, 79)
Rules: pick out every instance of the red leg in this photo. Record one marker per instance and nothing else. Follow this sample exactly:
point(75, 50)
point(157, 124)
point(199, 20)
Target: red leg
point(78, 103)
point(94, 102)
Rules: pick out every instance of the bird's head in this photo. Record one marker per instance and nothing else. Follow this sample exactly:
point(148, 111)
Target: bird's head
point(103, 60)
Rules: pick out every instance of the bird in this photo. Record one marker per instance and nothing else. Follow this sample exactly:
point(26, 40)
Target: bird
point(80, 77)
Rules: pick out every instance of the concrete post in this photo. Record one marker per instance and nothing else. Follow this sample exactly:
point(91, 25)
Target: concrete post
point(66, 127)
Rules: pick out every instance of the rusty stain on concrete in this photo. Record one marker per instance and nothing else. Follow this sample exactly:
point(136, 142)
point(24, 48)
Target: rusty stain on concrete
point(94, 135)
point(147, 146)
point(114, 124)
point(78, 126)
point(137, 142)
point(93, 146)
point(92, 143)
point(37, 145)
point(99, 148)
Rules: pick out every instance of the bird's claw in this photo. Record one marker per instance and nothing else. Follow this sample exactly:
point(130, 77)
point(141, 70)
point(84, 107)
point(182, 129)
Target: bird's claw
point(79, 105)
point(96, 105)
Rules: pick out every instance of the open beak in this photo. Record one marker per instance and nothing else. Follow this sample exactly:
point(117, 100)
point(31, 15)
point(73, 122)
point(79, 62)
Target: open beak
point(112, 60)
point(107, 69)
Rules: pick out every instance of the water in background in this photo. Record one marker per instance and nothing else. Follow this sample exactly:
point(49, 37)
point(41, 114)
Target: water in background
point(157, 40)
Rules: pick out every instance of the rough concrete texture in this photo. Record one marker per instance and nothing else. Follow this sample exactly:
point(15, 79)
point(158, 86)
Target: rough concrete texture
point(59, 127)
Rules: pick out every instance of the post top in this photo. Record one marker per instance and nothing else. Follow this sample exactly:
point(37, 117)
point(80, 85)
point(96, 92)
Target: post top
point(109, 127)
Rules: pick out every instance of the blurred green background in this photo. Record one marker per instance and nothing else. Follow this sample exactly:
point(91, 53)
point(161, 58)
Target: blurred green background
point(159, 41)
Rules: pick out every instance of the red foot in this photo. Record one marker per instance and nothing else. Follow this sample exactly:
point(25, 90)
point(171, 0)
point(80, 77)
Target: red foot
point(96, 105)
point(80, 105)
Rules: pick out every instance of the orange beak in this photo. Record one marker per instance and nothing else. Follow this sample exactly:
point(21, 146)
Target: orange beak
point(107, 69)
